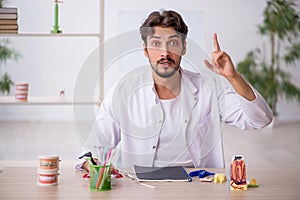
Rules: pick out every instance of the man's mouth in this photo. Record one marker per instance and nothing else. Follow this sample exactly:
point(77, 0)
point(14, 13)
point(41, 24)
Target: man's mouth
point(166, 69)
point(166, 61)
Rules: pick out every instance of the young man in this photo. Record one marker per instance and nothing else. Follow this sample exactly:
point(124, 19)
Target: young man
point(165, 115)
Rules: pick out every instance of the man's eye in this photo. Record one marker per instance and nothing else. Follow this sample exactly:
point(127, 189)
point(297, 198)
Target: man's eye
point(155, 44)
point(173, 43)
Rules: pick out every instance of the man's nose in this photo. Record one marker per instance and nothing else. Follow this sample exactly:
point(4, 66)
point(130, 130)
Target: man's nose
point(164, 51)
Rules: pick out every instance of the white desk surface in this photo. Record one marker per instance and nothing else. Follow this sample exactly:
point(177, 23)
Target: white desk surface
point(20, 183)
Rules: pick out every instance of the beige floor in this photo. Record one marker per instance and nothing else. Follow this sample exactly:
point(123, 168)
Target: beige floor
point(268, 147)
point(28, 140)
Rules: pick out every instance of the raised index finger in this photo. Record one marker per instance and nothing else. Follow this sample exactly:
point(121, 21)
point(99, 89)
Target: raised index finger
point(216, 43)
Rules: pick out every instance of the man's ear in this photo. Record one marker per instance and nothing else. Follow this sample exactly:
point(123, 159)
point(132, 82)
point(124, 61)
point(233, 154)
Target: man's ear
point(184, 48)
point(145, 50)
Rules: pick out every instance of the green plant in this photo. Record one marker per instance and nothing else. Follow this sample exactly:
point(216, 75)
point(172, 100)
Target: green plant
point(263, 68)
point(6, 53)
point(5, 83)
point(2, 2)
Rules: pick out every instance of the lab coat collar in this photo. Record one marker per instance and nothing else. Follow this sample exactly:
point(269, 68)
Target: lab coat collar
point(185, 79)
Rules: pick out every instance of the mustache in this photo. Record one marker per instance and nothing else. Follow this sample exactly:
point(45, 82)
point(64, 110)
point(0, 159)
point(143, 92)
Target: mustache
point(166, 59)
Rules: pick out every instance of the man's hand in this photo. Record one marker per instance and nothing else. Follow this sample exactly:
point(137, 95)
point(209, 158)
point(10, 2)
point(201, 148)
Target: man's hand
point(222, 64)
point(221, 61)
point(86, 166)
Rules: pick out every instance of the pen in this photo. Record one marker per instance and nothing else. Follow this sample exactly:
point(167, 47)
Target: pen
point(146, 185)
point(130, 176)
point(133, 178)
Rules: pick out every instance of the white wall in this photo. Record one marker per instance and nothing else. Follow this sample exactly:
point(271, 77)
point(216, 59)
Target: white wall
point(52, 64)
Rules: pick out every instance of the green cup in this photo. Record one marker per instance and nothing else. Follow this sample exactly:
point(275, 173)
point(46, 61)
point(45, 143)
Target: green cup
point(100, 177)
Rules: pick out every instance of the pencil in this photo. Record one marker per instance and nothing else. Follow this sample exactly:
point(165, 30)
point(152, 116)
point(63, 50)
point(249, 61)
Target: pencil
point(146, 185)
point(134, 179)
point(99, 181)
point(100, 177)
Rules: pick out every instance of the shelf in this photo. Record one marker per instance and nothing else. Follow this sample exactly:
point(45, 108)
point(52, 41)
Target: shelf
point(56, 100)
point(10, 100)
point(52, 35)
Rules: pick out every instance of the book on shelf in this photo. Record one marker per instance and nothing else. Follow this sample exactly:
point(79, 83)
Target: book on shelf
point(8, 21)
point(8, 26)
point(8, 10)
point(8, 31)
point(8, 15)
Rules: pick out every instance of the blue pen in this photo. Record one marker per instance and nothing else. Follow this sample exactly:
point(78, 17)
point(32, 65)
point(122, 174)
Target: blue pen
point(201, 173)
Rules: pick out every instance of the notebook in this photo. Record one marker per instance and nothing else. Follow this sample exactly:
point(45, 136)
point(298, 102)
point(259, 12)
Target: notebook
point(176, 173)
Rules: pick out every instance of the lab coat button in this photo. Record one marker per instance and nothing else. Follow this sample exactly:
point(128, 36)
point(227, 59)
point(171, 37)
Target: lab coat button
point(154, 147)
point(186, 121)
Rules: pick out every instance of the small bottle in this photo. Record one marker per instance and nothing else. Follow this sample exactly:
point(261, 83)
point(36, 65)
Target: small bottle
point(62, 94)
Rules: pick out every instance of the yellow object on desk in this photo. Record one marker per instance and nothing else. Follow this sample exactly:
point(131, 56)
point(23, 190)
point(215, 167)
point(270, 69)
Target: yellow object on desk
point(253, 183)
point(220, 178)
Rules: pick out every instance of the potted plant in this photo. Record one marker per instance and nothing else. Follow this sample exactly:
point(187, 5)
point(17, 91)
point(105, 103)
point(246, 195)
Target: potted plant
point(2, 3)
point(6, 53)
point(264, 67)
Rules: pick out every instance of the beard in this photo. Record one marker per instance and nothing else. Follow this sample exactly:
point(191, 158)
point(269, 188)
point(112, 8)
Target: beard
point(165, 73)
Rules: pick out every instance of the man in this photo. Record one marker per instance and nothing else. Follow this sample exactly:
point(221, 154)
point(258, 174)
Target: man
point(165, 115)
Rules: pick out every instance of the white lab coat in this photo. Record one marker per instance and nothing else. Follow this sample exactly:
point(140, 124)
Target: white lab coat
point(131, 118)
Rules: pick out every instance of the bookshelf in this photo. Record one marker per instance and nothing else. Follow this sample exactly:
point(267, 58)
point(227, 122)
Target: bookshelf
point(53, 35)
point(35, 100)
point(51, 100)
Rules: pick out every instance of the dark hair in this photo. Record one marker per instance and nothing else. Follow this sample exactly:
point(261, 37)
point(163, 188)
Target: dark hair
point(166, 18)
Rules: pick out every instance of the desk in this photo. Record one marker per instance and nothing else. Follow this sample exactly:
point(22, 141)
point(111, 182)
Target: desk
point(20, 183)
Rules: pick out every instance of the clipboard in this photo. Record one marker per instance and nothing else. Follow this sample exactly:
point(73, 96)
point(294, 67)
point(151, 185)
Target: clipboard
point(175, 173)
